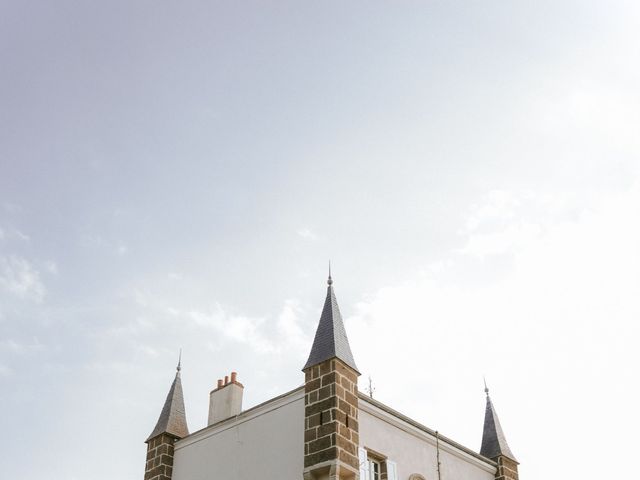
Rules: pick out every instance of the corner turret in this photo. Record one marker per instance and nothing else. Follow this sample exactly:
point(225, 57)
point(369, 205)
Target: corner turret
point(494, 444)
point(171, 426)
point(331, 400)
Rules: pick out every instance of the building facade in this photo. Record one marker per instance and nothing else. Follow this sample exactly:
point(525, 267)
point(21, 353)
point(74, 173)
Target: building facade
point(323, 430)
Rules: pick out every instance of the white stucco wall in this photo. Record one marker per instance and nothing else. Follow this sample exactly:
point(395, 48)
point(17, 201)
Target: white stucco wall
point(268, 442)
point(414, 450)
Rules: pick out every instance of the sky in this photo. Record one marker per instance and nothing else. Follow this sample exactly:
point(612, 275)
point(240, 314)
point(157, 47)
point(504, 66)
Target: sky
point(178, 175)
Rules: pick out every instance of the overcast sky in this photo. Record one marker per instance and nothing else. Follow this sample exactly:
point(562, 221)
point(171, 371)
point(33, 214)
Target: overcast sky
point(178, 174)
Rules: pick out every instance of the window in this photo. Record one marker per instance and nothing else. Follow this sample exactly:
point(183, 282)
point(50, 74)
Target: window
point(373, 466)
point(376, 466)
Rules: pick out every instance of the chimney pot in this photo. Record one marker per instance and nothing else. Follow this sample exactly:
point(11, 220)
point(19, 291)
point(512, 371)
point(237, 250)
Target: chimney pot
point(226, 379)
point(234, 376)
point(219, 383)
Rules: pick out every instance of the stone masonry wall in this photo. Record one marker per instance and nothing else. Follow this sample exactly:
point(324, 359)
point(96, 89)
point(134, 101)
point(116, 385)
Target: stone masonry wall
point(507, 469)
point(331, 416)
point(159, 464)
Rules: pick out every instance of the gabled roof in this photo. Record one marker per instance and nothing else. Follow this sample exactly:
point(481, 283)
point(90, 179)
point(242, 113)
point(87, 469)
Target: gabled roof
point(494, 443)
point(172, 419)
point(331, 338)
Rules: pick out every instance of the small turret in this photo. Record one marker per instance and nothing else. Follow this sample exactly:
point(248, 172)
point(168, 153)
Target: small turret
point(331, 400)
point(494, 443)
point(171, 426)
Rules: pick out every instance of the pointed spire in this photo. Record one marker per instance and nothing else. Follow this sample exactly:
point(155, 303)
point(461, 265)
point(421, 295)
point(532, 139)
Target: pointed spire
point(494, 443)
point(173, 419)
point(331, 337)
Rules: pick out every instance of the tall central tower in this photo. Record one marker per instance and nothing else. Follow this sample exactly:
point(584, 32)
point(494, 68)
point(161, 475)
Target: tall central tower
point(331, 400)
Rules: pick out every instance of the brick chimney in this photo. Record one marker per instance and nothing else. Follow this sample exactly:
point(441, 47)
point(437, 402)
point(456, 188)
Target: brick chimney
point(225, 400)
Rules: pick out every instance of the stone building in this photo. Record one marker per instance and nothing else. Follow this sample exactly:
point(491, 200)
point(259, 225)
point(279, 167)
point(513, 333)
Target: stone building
point(323, 430)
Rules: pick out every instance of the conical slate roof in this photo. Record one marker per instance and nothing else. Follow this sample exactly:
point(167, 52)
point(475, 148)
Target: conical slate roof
point(172, 419)
point(331, 338)
point(494, 443)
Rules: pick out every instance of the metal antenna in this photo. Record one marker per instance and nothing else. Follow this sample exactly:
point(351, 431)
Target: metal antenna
point(371, 388)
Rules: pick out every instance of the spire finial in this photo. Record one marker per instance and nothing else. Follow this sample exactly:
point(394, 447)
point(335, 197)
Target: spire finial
point(486, 389)
point(329, 280)
point(179, 367)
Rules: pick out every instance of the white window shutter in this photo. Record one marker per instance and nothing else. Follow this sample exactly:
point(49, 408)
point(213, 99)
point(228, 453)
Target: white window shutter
point(392, 470)
point(364, 467)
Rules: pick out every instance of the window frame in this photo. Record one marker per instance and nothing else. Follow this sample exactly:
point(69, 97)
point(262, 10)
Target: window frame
point(372, 462)
point(380, 460)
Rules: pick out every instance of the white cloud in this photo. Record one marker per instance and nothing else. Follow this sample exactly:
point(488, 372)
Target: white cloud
point(495, 243)
point(239, 328)
point(497, 205)
point(21, 235)
point(96, 241)
point(564, 318)
point(261, 334)
point(51, 267)
point(13, 233)
point(602, 111)
point(289, 327)
point(307, 234)
point(148, 350)
point(11, 208)
point(19, 278)
point(20, 347)
point(505, 221)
